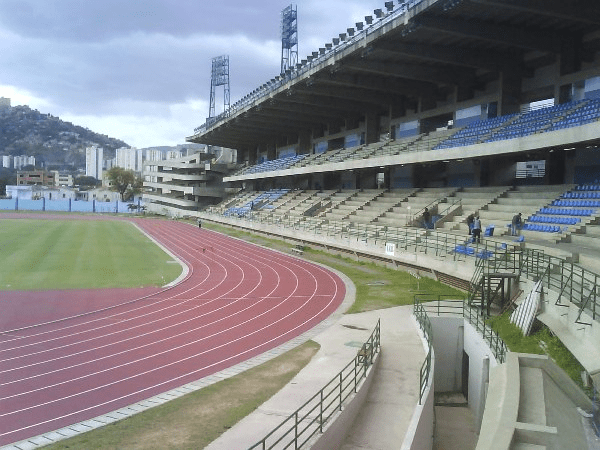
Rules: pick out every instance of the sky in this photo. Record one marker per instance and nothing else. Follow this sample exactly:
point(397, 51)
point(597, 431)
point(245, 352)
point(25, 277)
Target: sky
point(139, 70)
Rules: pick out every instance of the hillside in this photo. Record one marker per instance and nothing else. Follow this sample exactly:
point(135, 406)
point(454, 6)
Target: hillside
point(24, 131)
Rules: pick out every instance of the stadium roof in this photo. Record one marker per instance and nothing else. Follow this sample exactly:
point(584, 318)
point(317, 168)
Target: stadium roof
point(412, 57)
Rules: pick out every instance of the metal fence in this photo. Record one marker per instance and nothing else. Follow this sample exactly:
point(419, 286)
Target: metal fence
point(312, 417)
point(425, 324)
point(441, 305)
point(71, 205)
point(574, 283)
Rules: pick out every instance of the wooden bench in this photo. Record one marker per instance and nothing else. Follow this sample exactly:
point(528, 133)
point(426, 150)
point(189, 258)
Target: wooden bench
point(298, 250)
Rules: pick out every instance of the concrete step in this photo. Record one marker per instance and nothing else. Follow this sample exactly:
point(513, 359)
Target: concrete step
point(585, 240)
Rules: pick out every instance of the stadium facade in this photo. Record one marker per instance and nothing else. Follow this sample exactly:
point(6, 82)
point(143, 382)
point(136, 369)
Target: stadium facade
point(440, 91)
point(454, 107)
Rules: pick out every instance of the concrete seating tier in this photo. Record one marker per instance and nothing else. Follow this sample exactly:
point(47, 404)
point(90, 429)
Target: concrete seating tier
point(284, 199)
point(532, 122)
point(307, 160)
point(589, 237)
point(341, 155)
point(475, 132)
point(336, 211)
point(471, 201)
point(237, 200)
point(367, 151)
point(274, 164)
point(303, 203)
point(297, 199)
point(587, 112)
point(260, 201)
point(378, 205)
point(431, 140)
point(524, 199)
point(397, 146)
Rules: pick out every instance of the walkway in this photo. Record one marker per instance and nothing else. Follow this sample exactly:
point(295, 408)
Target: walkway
point(386, 415)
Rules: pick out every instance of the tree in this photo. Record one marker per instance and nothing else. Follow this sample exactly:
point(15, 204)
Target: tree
point(86, 181)
point(124, 182)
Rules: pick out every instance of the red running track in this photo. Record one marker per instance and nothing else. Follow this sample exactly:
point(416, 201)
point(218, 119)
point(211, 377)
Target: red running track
point(238, 301)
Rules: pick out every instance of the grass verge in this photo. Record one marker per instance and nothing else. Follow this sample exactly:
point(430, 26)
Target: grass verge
point(196, 419)
point(377, 286)
point(541, 341)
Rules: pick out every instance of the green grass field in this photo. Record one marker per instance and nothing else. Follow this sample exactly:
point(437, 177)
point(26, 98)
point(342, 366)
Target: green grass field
point(72, 254)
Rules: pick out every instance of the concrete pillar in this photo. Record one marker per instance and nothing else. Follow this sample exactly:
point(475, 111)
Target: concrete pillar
point(509, 100)
point(371, 127)
point(304, 143)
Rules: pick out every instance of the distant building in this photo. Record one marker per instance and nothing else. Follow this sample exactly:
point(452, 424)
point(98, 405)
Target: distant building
point(35, 177)
point(7, 161)
point(4, 104)
point(99, 194)
point(154, 155)
point(93, 162)
point(174, 154)
point(62, 179)
point(183, 184)
point(22, 161)
point(129, 159)
point(36, 192)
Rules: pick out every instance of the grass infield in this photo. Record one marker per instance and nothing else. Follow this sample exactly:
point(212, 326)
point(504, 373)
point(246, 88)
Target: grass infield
point(72, 254)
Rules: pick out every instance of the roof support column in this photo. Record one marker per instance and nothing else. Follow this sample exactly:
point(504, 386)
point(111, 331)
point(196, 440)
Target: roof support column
point(304, 143)
point(509, 98)
point(371, 127)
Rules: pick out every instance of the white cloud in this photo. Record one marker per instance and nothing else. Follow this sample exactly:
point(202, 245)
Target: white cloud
point(143, 74)
point(19, 96)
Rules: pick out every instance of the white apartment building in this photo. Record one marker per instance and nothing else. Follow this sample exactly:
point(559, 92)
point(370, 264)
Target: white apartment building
point(129, 158)
point(174, 154)
point(21, 161)
point(93, 161)
point(4, 104)
point(7, 161)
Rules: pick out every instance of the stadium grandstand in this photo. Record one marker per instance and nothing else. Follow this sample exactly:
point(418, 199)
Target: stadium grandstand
point(381, 144)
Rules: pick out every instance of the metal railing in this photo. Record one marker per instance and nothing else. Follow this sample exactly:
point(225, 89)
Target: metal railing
point(425, 324)
point(266, 89)
point(574, 283)
point(441, 305)
point(312, 417)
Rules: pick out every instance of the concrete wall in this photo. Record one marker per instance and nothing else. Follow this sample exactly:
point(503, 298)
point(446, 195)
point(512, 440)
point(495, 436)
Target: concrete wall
point(481, 360)
point(448, 346)
point(452, 336)
point(419, 435)
point(339, 425)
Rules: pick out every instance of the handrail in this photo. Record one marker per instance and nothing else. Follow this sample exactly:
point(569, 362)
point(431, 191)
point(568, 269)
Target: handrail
point(472, 315)
point(311, 418)
point(425, 324)
point(522, 261)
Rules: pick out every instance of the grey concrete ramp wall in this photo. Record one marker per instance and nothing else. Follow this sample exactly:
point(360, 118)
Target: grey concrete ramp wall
point(334, 435)
point(531, 401)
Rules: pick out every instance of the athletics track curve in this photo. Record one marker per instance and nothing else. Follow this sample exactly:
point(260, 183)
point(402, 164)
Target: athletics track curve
point(237, 301)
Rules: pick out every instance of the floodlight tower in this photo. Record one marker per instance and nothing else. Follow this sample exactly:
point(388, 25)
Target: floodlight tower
point(289, 38)
point(219, 77)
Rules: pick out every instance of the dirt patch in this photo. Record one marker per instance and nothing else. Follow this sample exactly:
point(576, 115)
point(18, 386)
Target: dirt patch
point(354, 327)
